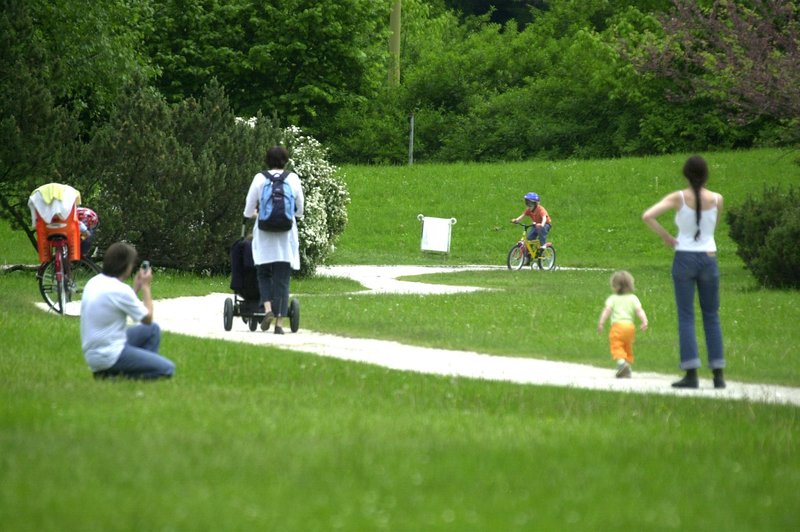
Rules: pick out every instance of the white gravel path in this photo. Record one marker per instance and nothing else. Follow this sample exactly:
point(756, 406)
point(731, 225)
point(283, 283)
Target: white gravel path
point(203, 317)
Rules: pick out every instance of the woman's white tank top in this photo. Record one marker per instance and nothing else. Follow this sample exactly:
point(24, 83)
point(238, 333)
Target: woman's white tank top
point(686, 220)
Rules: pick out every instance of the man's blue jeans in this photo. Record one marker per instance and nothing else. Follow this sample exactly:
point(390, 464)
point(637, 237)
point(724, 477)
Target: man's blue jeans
point(690, 270)
point(140, 358)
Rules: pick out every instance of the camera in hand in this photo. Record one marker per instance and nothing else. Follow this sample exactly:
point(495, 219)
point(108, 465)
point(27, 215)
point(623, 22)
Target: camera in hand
point(145, 265)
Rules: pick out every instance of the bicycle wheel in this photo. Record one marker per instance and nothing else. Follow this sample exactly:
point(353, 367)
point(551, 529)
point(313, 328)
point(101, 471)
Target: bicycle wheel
point(516, 257)
point(547, 258)
point(61, 289)
point(59, 295)
point(50, 288)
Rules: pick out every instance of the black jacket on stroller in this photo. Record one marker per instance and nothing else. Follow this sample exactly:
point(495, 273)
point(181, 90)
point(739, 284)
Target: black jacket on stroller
point(243, 271)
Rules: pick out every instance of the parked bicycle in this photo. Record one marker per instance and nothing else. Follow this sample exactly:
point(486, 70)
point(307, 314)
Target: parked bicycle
point(62, 273)
point(531, 252)
point(61, 280)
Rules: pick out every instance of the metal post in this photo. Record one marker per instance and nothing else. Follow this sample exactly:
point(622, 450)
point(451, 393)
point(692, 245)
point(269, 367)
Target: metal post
point(411, 141)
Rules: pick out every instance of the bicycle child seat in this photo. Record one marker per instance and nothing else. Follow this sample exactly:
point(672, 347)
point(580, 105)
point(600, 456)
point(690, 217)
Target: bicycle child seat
point(54, 214)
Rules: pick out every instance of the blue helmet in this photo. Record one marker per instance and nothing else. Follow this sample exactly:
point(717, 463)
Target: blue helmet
point(531, 196)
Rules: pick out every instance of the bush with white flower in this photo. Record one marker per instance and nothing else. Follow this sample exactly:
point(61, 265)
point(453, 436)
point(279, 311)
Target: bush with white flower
point(326, 198)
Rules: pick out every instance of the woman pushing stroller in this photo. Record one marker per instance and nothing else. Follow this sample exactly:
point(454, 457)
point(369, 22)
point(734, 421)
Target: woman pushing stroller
point(276, 252)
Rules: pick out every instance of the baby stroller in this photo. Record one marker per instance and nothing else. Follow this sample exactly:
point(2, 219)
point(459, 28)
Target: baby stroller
point(246, 296)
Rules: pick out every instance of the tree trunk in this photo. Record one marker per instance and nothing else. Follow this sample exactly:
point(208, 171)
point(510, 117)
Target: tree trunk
point(394, 45)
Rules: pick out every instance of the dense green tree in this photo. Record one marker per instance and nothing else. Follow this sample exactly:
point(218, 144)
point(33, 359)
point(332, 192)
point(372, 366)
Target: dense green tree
point(743, 55)
point(501, 11)
point(372, 131)
point(91, 49)
point(52, 76)
point(525, 11)
point(297, 60)
point(591, 102)
point(563, 86)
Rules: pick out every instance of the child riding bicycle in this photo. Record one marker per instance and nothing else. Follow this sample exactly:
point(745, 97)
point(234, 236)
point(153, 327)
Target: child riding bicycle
point(542, 222)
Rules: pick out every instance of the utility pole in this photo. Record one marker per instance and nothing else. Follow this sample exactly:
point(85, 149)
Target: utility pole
point(394, 45)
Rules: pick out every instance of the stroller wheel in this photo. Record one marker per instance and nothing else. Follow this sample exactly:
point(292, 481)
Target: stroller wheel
point(294, 315)
point(227, 315)
point(253, 323)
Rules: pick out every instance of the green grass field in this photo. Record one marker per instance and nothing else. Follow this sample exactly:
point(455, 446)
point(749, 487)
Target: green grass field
point(253, 438)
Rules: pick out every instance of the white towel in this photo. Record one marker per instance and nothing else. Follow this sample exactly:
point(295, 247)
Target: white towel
point(53, 199)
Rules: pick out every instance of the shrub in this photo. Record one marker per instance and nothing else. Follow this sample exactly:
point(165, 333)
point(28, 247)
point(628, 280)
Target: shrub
point(326, 199)
point(172, 180)
point(370, 132)
point(766, 231)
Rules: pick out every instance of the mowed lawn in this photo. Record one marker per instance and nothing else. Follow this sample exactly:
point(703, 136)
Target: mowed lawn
point(254, 438)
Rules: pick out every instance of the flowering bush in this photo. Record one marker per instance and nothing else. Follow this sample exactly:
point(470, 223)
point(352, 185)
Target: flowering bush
point(326, 198)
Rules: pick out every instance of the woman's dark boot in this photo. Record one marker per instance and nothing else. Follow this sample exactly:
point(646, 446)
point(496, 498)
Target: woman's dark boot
point(689, 381)
point(719, 380)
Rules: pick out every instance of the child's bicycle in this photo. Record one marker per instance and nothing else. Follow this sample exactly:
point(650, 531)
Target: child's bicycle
point(531, 252)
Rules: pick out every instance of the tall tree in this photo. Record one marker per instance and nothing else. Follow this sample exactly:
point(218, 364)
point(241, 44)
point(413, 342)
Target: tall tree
point(501, 11)
point(93, 49)
point(746, 53)
point(59, 60)
point(394, 43)
point(300, 60)
point(33, 128)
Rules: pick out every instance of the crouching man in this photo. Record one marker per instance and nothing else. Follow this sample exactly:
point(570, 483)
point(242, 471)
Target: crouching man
point(110, 347)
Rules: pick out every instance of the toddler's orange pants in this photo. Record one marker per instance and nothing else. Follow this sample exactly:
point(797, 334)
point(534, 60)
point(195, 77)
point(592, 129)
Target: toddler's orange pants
point(620, 338)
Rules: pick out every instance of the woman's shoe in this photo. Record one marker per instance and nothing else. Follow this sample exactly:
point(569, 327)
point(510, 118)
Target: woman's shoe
point(689, 381)
point(278, 329)
point(719, 379)
point(266, 321)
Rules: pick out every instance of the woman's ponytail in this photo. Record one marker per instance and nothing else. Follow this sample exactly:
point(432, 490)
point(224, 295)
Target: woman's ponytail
point(696, 171)
point(697, 211)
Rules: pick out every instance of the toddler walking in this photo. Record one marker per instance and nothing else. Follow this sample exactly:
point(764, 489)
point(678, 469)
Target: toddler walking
point(621, 306)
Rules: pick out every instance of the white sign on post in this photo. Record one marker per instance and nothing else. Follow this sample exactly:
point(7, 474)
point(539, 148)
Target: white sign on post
point(436, 233)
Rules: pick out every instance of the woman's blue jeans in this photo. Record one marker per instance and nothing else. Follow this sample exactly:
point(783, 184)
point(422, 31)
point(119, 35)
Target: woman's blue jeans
point(273, 285)
point(690, 270)
point(140, 358)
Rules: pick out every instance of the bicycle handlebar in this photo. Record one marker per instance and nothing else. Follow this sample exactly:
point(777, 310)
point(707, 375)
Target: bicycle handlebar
point(526, 226)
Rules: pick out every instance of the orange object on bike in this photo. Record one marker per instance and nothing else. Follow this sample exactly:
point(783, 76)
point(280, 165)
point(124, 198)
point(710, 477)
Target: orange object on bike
point(53, 210)
point(69, 228)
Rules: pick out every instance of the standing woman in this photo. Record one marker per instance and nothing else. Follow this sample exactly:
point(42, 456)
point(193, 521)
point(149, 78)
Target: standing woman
point(697, 210)
point(275, 254)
